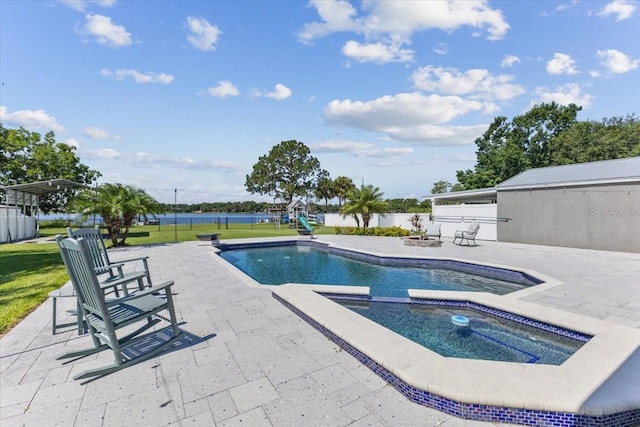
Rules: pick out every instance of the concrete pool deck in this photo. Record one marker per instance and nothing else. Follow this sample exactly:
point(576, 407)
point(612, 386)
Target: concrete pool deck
point(248, 360)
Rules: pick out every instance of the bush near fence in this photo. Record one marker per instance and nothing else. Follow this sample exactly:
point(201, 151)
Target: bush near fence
point(373, 231)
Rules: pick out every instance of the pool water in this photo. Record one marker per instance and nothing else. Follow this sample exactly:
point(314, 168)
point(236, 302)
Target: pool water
point(303, 264)
point(487, 337)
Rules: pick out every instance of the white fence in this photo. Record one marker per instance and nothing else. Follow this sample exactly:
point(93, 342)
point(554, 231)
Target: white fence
point(451, 218)
point(15, 226)
point(458, 217)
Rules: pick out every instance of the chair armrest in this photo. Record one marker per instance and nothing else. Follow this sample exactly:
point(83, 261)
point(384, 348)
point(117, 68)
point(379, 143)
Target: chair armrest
point(100, 270)
point(149, 291)
point(133, 259)
point(123, 280)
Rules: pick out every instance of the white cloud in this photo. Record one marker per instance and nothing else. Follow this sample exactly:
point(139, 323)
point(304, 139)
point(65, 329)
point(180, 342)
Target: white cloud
point(509, 61)
point(595, 74)
point(570, 93)
point(279, 93)
point(359, 149)
point(81, 5)
point(225, 88)
point(137, 76)
point(441, 49)
point(398, 20)
point(561, 64)
point(106, 32)
point(388, 25)
point(145, 160)
point(203, 36)
point(566, 6)
point(97, 133)
point(72, 143)
point(376, 52)
point(617, 62)
point(336, 16)
point(408, 117)
point(622, 9)
point(440, 135)
point(476, 83)
point(30, 119)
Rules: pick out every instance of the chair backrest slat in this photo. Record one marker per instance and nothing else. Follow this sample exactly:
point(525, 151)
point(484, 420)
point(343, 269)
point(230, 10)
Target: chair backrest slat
point(96, 246)
point(473, 228)
point(76, 258)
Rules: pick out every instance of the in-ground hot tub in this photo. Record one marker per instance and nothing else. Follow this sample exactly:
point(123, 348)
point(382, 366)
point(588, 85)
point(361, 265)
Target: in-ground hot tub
point(593, 387)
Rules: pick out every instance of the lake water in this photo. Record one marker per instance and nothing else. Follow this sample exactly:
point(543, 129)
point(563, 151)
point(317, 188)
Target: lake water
point(183, 218)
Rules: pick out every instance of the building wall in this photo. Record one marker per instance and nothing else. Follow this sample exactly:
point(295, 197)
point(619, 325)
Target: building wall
point(605, 217)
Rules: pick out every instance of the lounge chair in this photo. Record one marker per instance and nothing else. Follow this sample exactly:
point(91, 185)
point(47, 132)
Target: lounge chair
point(432, 231)
point(106, 317)
point(468, 235)
point(100, 258)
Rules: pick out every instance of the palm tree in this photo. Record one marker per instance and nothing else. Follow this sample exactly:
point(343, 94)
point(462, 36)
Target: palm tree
point(118, 205)
point(325, 188)
point(366, 201)
point(342, 185)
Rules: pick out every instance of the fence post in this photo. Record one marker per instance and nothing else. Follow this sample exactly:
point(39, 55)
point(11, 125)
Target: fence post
point(226, 223)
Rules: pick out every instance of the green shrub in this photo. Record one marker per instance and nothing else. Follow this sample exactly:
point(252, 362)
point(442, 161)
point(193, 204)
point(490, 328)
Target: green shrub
point(373, 231)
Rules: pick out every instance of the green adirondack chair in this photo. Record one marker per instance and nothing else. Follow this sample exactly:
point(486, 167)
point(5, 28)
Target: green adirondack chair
point(105, 317)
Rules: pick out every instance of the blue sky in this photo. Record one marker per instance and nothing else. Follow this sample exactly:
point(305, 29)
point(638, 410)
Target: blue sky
point(188, 95)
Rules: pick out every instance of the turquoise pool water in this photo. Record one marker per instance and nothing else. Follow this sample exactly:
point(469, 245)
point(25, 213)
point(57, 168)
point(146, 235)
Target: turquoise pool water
point(304, 264)
point(487, 337)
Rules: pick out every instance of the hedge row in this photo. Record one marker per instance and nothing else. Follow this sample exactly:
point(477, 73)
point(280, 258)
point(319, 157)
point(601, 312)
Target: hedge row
point(373, 231)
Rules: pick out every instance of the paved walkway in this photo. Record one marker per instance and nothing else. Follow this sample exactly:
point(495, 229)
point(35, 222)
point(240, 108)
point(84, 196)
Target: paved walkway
point(245, 360)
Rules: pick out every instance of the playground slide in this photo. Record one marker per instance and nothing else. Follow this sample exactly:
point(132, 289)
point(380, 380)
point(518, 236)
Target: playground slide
point(305, 224)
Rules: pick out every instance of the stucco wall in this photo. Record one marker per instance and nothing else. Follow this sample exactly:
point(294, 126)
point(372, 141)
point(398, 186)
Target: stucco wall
point(605, 217)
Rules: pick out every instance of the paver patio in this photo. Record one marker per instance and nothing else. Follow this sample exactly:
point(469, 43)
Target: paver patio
point(247, 360)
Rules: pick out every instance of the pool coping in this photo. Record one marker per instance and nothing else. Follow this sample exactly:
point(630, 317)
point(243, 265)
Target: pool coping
point(578, 390)
point(568, 388)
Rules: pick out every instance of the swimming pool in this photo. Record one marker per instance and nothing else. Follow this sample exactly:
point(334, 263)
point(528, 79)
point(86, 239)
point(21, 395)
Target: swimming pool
point(486, 337)
point(483, 390)
point(276, 265)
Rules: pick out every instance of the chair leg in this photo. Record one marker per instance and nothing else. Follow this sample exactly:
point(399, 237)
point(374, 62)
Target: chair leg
point(53, 322)
point(116, 367)
point(172, 314)
point(146, 268)
point(99, 347)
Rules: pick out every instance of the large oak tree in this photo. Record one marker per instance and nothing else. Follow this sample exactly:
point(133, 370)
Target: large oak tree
point(27, 157)
point(288, 170)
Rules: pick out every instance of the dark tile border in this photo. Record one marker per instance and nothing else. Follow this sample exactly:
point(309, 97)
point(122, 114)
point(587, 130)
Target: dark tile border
point(474, 411)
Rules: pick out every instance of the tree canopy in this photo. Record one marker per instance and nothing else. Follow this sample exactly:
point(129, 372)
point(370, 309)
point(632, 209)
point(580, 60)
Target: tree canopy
point(26, 157)
point(342, 185)
point(547, 135)
point(508, 148)
point(366, 201)
point(325, 188)
point(288, 170)
point(119, 206)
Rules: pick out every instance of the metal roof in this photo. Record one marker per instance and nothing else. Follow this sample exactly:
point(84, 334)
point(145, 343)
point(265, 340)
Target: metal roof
point(616, 171)
point(479, 195)
point(43, 187)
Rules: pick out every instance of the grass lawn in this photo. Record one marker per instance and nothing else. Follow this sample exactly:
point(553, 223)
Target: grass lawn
point(31, 270)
